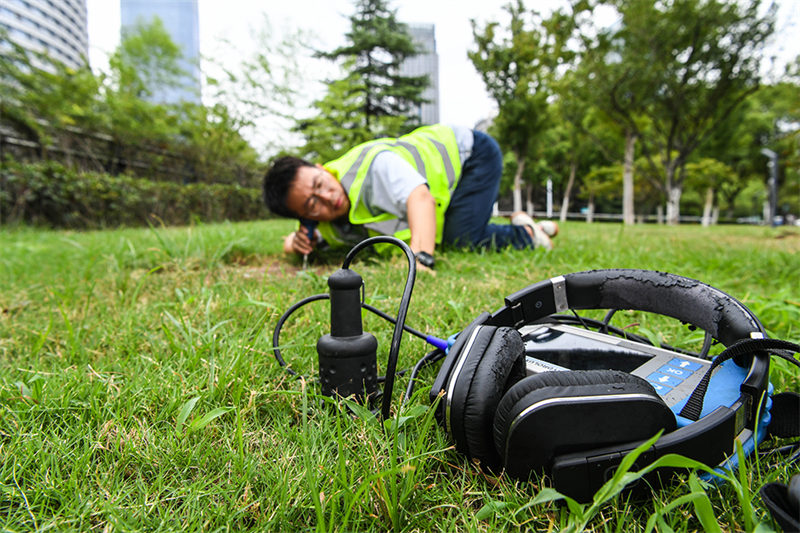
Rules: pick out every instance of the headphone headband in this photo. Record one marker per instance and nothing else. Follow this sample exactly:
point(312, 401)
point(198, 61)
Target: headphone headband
point(688, 300)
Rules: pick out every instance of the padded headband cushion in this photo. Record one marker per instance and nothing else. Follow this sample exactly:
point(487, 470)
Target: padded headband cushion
point(685, 299)
point(495, 361)
point(552, 413)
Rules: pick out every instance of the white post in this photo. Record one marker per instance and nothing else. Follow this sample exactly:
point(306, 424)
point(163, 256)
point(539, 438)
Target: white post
point(549, 198)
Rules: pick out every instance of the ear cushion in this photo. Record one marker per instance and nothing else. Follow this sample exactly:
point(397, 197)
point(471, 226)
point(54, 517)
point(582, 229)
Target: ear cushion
point(495, 361)
point(562, 412)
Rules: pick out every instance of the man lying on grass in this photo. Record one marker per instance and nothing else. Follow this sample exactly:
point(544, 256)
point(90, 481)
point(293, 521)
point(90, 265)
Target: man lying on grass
point(436, 185)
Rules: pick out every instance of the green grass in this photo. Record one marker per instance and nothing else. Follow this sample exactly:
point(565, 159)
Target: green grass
point(138, 389)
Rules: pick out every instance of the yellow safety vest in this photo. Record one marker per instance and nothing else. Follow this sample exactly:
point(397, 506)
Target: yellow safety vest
point(432, 150)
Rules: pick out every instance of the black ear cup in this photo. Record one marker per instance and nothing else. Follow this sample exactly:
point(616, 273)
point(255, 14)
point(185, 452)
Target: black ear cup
point(554, 413)
point(493, 362)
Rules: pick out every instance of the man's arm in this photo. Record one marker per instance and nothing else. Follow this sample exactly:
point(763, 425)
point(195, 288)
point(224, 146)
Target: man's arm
point(422, 219)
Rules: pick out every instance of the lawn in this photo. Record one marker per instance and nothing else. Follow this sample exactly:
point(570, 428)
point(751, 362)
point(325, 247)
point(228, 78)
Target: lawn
point(138, 389)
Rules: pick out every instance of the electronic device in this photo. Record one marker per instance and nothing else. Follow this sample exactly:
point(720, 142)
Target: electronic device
point(522, 393)
point(561, 347)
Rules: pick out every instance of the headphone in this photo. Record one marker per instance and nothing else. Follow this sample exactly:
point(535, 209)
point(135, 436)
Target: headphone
point(577, 425)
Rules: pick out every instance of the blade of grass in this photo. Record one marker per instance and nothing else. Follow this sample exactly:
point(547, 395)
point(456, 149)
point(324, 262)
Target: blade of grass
point(183, 414)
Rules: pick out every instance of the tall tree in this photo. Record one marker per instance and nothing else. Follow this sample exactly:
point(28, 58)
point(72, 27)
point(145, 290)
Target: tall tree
point(577, 144)
point(147, 60)
point(701, 59)
point(377, 45)
point(518, 66)
point(339, 124)
point(617, 81)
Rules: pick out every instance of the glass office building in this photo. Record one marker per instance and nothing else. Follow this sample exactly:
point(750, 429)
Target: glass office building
point(57, 28)
point(427, 62)
point(180, 19)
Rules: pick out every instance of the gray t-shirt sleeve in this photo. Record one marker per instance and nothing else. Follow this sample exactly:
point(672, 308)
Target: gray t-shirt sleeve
point(391, 180)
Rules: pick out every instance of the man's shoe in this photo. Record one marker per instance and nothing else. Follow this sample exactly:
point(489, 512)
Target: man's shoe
point(550, 227)
point(521, 218)
point(539, 235)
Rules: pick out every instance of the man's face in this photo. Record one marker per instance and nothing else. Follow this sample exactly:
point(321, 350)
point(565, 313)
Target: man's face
point(316, 195)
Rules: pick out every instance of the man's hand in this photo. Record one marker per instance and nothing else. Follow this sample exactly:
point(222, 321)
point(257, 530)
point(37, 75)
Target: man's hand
point(298, 242)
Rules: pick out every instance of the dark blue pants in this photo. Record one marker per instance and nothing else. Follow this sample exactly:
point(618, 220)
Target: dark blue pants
point(466, 222)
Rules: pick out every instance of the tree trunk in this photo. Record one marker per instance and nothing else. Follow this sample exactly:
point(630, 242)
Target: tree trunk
point(708, 207)
point(674, 191)
point(659, 214)
point(529, 199)
point(674, 205)
point(517, 192)
point(627, 179)
point(590, 210)
point(573, 169)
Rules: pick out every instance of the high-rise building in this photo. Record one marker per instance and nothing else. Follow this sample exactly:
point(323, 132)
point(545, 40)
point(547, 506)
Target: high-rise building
point(180, 19)
point(427, 62)
point(57, 28)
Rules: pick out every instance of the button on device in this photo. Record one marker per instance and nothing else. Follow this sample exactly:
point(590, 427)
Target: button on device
point(663, 379)
point(679, 373)
point(684, 364)
point(660, 389)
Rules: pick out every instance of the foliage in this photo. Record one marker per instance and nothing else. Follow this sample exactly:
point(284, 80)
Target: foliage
point(49, 194)
point(668, 84)
point(266, 90)
point(379, 44)
point(699, 60)
point(44, 99)
point(147, 60)
point(519, 66)
point(96, 123)
point(372, 99)
point(339, 125)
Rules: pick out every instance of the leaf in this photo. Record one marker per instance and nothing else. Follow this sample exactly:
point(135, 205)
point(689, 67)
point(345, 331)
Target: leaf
point(396, 423)
point(209, 417)
point(657, 517)
point(702, 506)
point(184, 413)
point(490, 508)
point(547, 495)
point(24, 391)
point(654, 337)
point(360, 411)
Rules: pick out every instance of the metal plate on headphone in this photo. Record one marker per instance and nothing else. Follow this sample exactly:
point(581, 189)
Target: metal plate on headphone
point(559, 347)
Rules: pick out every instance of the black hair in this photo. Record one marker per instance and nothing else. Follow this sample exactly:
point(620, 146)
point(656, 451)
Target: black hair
point(277, 181)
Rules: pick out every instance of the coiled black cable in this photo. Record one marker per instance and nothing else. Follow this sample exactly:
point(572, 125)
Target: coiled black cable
point(325, 296)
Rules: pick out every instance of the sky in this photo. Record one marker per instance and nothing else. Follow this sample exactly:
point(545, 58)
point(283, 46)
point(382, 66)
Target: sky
point(463, 99)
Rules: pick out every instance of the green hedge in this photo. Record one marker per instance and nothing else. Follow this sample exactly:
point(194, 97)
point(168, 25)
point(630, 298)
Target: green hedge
point(50, 194)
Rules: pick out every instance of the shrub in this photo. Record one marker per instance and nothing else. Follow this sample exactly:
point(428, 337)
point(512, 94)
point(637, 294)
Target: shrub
point(47, 193)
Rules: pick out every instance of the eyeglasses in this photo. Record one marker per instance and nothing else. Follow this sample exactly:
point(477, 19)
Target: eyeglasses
point(313, 201)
